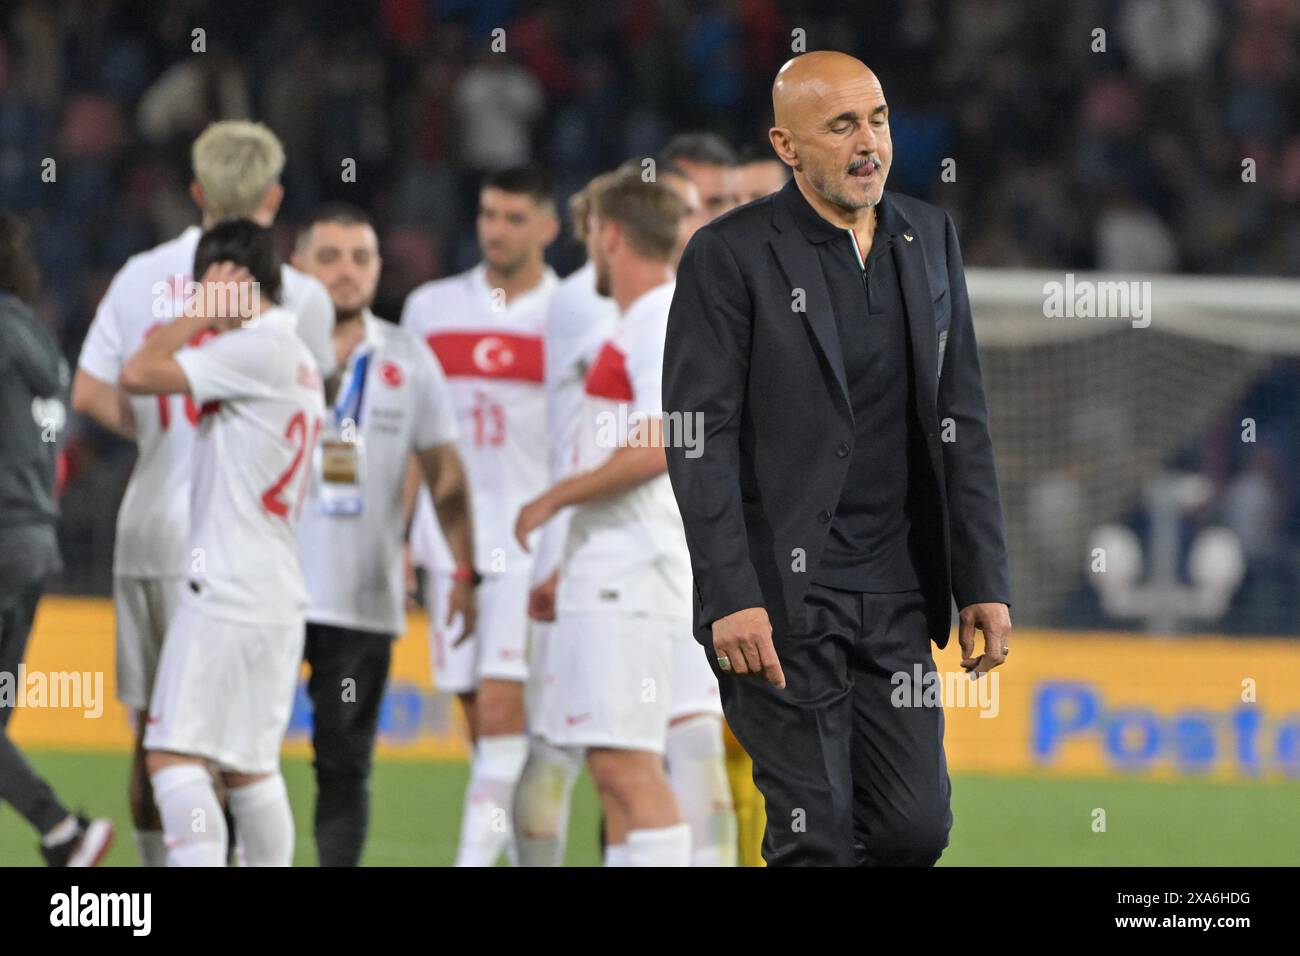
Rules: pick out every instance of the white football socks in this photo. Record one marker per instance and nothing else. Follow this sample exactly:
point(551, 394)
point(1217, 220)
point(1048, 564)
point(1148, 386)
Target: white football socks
point(485, 830)
point(697, 770)
point(541, 819)
point(616, 854)
point(263, 822)
point(191, 815)
point(664, 846)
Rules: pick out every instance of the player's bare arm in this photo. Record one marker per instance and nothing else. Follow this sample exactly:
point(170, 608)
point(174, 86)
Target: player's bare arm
point(641, 460)
point(448, 487)
point(103, 401)
point(410, 493)
point(153, 370)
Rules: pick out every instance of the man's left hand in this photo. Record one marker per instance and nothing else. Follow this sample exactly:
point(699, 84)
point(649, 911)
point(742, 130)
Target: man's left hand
point(994, 620)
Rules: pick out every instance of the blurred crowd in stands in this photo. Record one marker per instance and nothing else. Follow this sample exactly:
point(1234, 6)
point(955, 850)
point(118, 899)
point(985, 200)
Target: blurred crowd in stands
point(1139, 135)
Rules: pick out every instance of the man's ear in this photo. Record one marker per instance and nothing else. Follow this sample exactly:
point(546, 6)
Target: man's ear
point(783, 143)
point(196, 193)
point(552, 230)
point(270, 204)
point(611, 237)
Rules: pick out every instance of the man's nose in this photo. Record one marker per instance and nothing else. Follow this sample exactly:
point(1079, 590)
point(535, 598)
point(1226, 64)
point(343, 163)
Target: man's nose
point(867, 141)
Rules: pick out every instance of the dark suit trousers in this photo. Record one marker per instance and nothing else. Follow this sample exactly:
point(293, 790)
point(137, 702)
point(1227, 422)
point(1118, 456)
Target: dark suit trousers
point(848, 778)
point(343, 733)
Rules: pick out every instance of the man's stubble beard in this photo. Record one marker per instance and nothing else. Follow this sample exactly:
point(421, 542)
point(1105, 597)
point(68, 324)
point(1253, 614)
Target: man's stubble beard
point(355, 312)
point(832, 194)
point(511, 267)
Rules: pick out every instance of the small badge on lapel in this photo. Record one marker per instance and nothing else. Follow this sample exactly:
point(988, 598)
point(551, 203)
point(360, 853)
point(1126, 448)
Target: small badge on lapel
point(907, 236)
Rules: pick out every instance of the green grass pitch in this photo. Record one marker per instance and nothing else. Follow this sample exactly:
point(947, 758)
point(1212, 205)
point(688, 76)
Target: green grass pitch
point(999, 820)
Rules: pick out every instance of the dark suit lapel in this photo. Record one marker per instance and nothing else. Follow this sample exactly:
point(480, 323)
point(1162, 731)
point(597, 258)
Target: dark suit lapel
point(803, 270)
point(910, 258)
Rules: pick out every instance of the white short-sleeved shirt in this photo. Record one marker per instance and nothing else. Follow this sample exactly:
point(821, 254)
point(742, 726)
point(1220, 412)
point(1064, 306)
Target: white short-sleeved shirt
point(148, 292)
point(353, 563)
point(260, 399)
point(626, 553)
point(577, 324)
point(493, 359)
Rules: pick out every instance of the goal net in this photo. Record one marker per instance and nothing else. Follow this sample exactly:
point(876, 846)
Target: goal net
point(1101, 388)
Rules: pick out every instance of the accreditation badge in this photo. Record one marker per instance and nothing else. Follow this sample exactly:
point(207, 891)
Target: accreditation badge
point(341, 458)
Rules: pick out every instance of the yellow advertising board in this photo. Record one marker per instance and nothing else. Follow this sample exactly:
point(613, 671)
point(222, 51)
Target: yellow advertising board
point(1070, 703)
point(1067, 703)
point(75, 635)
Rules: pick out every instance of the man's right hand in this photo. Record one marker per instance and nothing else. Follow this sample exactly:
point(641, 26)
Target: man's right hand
point(541, 599)
point(744, 638)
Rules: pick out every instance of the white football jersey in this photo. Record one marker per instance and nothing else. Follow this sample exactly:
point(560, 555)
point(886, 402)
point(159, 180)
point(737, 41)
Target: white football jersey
point(626, 553)
point(148, 292)
point(493, 358)
point(577, 324)
point(353, 562)
point(260, 408)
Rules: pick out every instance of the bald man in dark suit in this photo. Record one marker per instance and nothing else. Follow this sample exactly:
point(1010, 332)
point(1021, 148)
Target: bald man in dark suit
point(844, 492)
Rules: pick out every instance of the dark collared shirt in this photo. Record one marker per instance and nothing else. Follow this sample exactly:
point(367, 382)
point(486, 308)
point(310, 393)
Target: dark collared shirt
point(873, 544)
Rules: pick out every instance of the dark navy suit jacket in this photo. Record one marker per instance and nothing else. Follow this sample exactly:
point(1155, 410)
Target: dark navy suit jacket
point(753, 348)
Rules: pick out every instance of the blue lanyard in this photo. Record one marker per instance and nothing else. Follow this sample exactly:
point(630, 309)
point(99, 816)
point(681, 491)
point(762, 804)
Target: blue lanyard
point(348, 405)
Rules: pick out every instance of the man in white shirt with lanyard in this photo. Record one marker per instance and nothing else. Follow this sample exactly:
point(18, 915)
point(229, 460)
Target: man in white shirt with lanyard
point(392, 402)
point(237, 168)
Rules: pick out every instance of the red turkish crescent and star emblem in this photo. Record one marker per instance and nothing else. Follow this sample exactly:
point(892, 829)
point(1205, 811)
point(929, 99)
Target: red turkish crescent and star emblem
point(390, 373)
point(491, 354)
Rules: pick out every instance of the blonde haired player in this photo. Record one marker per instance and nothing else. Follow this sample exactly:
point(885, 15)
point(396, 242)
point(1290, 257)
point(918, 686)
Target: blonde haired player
point(237, 168)
point(578, 320)
point(624, 582)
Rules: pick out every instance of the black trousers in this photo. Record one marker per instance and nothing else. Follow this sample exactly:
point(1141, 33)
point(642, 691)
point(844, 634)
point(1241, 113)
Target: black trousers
point(848, 778)
point(349, 674)
point(19, 784)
